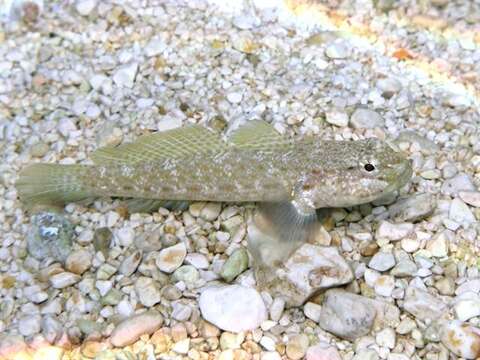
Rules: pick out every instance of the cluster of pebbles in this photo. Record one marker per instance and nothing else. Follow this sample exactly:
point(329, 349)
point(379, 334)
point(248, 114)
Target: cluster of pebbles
point(397, 279)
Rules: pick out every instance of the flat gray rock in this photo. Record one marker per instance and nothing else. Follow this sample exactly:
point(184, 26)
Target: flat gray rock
point(346, 315)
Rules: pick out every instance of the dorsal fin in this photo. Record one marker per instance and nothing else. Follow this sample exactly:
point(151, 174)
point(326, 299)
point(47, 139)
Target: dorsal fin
point(175, 143)
point(257, 135)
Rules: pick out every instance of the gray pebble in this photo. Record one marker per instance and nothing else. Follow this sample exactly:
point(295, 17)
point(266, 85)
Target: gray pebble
point(366, 118)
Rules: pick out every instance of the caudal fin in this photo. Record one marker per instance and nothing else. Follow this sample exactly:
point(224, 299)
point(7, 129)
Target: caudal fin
point(45, 184)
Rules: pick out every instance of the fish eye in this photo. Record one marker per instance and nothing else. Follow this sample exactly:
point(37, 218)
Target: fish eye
point(369, 167)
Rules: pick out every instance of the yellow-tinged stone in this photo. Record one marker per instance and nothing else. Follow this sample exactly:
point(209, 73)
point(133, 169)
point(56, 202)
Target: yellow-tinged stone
point(91, 348)
point(49, 353)
point(218, 44)
point(22, 355)
point(8, 282)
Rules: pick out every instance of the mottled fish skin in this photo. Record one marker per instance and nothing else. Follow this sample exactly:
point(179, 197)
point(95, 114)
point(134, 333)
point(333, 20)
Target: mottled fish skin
point(288, 178)
point(320, 173)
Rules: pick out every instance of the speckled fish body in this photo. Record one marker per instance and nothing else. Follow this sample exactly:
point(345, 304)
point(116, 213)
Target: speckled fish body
point(244, 175)
point(288, 178)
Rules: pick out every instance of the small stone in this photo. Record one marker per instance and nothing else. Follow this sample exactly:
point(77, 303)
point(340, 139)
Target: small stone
point(268, 343)
point(470, 197)
point(169, 123)
point(312, 311)
point(322, 351)
point(245, 22)
point(235, 97)
point(276, 309)
point(125, 236)
point(103, 286)
point(64, 279)
point(438, 245)
point(34, 294)
point(346, 315)
point(337, 118)
point(106, 271)
point(233, 308)
point(109, 135)
point(50, 235)
point(155, 47)
point(78, 262)
point(382, 261)
point(297, 346)
point(309, 269)
point(467, 309)
point(29, 325)
point(386, 338)
point(413, 208)
point(394, 232)
point(384, 285)
point(147, 291)
point(182, 346)
point(410, 245)
point(423, 305)
point(39, 149)
point(112, 297)
point(170, 258)
point(49, 353)
point(130, 329)
point(211, 211)
point(366, 119)
point(461, 338)
point(85, 7)
point(180, 311)
point(389, 87)
point(93, 111)
point(231, 341)
point(66, 126)
point(406, 326)
point(199, 261)
point(457, 101)
point(337, 50)
point(235, 265)
point(445, 286)
point(460, 212)
point(130, 263)
point(460, 182)
point(186, 273)
point(125, 75)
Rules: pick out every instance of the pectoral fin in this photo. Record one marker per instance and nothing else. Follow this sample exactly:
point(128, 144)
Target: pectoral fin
point(278, 229)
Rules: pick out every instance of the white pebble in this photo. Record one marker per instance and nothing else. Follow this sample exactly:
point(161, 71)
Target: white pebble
point(337, 118)
point(130, 330)
point(234, 97)
point(155, 47)
point(85, 7)
point(386, 338)
point(64, 279)
point(171, 258)
point(312, 311)
point(233, 308)
point(125, 75)
point(460, 212)
point(125, 236)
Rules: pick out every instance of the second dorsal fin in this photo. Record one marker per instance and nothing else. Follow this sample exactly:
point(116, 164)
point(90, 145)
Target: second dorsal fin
point(257, 135)
point(175, 143)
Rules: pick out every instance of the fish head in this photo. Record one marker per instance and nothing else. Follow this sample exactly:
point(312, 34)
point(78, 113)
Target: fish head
point(360, 172)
